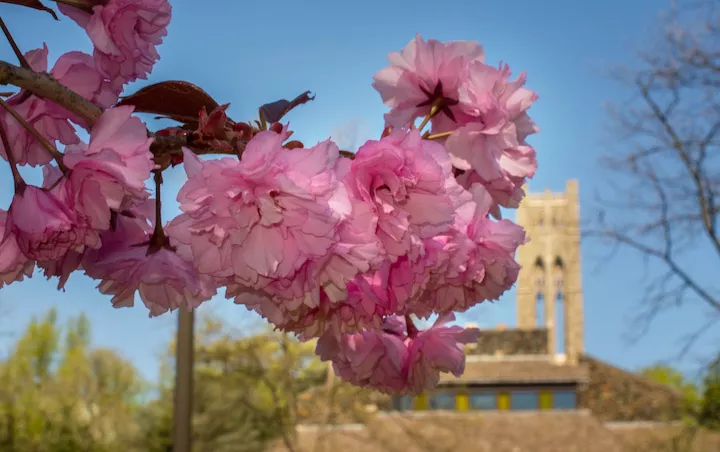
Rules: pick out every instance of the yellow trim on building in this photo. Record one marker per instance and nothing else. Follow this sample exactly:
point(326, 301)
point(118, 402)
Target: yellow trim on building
point(462, 401)
point(546, 400)
point(421, 402)
point(503, 401)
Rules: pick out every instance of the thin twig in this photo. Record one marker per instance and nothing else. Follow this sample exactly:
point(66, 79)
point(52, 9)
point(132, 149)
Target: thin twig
point(437, 136)
point(17, 178)
point(434, 109)
point(57, 155)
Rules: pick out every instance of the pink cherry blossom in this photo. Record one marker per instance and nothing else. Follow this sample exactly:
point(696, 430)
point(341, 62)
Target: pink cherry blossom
point(46, 225)
point(424, 72)
point(125, 34)
point(409, 182)
point(333, 292)
point(74, 70)
point(163, 279)
point(77, 71)
point(480, 261)
point(63, 267)
point(374, 358)
point(205, 244)
point(490, 145)
point(70, 261)
point(357, 251)
point(367, 300)
point(46, 117)
point(276, 209)
point(359, 310)
point(14, 265)
point(48, 121)
point(435, 350)
point(396, 359)
point(110, 172)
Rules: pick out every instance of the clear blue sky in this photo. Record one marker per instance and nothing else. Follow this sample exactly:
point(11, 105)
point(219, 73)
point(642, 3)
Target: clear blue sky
point(248, 53)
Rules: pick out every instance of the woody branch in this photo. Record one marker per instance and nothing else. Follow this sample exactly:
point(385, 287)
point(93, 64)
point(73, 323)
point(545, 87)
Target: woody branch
point(45, 86)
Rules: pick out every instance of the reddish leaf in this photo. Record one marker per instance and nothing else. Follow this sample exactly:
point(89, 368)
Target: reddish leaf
point(293, 145)
point(213, 124)
point(178, 100)
point(274, 112)
point(34, 4)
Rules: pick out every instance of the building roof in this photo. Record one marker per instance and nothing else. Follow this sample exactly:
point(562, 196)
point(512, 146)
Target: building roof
point(532, 431)
point(559, 431)
point(342, 404)
point(520, 370)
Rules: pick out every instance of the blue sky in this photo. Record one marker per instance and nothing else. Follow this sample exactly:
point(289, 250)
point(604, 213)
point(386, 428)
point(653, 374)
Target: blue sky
point(249, 53)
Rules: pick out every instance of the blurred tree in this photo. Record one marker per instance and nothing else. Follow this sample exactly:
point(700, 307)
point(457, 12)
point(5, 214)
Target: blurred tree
point(667, 375)
point(710, 407)
point(245, 391)
point(58, 394)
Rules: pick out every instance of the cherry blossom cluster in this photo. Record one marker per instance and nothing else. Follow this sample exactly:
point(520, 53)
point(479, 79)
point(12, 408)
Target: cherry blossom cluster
point(349, 249)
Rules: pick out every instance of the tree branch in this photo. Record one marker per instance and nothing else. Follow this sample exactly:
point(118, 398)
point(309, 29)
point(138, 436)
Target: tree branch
point(43, 85)
point(666, 173)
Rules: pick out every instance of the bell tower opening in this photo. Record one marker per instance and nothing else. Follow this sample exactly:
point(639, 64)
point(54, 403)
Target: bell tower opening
point(549, 287)
point(539, 278)
point(559, 276)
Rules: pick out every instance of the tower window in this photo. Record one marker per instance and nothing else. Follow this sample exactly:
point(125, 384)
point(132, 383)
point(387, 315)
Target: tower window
point(540, 309)
point(560, 321)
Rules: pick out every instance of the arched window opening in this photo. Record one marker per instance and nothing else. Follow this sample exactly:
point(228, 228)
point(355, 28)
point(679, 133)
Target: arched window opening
point(559, 279)
point(560, 323)
point(540, 309)
point(539, 279)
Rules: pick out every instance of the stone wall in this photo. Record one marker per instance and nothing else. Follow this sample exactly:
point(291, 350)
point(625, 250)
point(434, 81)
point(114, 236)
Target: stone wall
point(511, 342)
point(613, 394)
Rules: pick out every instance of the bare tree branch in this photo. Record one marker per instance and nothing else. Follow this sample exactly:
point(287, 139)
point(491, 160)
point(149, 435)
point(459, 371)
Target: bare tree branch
point(664, 174)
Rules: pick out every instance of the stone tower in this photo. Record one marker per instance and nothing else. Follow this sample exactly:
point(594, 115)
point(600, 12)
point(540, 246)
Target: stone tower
point(551, 273)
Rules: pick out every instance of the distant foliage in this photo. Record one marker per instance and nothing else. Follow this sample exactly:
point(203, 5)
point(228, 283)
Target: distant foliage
point(57, 393)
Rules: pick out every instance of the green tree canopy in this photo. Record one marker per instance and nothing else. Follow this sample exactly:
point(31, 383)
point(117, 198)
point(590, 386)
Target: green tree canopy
point(58, 394)
point(244, 392)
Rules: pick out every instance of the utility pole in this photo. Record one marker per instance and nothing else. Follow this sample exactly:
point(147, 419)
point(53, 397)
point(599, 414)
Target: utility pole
point(184, 366)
